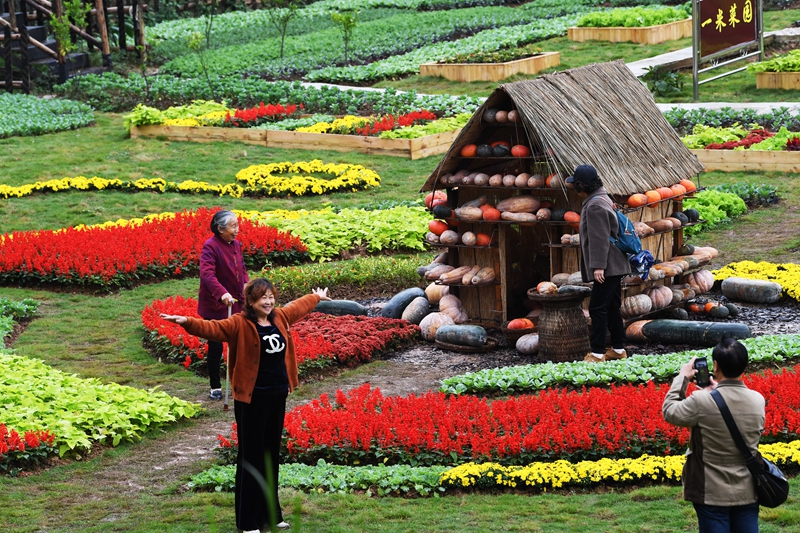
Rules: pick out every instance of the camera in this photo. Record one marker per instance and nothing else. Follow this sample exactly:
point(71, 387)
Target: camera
point(702, 378)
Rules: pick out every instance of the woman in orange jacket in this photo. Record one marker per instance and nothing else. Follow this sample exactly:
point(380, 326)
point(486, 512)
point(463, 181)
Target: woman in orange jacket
point(263, 369)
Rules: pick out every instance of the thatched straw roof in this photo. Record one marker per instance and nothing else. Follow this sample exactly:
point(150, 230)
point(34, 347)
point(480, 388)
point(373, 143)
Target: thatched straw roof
point(600, 114)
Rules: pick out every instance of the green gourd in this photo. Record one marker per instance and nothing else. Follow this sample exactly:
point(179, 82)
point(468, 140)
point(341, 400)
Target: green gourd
point(462, 335)
point(341, 308)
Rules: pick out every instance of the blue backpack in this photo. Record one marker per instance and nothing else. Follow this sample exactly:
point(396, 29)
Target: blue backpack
point(627, 241)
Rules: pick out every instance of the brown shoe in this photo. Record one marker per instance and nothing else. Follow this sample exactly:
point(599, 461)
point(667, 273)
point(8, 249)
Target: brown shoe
point(611, 355)
point(592, 359)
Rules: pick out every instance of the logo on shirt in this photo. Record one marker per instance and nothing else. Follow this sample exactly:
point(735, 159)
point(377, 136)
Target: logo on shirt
point(275, 344)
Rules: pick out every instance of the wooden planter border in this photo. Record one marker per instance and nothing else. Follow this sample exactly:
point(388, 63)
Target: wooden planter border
point(411, 148)
point(467, 72)
point(734, 160)
point(643, 35)
point(778, 80)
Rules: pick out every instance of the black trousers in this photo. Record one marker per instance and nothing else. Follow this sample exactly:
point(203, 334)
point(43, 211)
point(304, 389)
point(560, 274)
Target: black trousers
point(259, 429)
point(213, 359)
point(604, 304)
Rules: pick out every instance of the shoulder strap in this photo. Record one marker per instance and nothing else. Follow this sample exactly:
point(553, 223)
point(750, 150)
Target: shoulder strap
point(731, 423)
point(612, 204)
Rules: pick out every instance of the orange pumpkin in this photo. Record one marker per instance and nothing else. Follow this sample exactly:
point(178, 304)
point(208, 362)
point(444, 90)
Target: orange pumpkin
point(688, 185)
point(678, 191)
point(437, 226)
point(710, 305)
point(653, 197)
point(664, 192)
point(697, 308)
point(484, 207)
point(483, 239)
point(520, 323)
point(637, 200)
point(491, 214)
point(572, 218)
point(469, 150)
point(549, 179)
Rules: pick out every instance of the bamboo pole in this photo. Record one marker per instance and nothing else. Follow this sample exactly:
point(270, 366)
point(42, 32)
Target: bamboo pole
point(39, 7)
point(12, 14)
point(105, 49)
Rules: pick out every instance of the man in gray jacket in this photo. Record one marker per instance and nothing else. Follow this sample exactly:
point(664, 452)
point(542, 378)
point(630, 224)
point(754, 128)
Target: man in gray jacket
point(601, 262)
point(715, 477)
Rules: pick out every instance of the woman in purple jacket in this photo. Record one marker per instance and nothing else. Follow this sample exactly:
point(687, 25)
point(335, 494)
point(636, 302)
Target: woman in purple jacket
point(222, 280)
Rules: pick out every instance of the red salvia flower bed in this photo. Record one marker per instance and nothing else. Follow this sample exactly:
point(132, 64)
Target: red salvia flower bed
point(621, 421)
point(389, 122)
point(320, 340)
point(122, 256)
point(20, 452)
point(248, 118)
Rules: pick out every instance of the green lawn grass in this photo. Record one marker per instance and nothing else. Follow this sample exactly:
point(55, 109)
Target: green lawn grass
point(101, 336)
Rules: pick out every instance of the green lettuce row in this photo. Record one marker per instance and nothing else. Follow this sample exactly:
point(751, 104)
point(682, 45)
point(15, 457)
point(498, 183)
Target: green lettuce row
point(784, 63)
point(80, 412)
point(397, 480)
point(370, 40)
point(715, 206)
point(402, 480)
point(12, 312)
point(684, 120)
point(25, 115)
point(170, 38)
point(635, 17)
point(634, 369)
point(485, 41)
point(328, 233)
point(111, 92)
point(18, 310)
point(363, 277)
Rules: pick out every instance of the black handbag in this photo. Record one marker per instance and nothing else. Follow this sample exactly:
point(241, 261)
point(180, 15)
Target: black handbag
point(772, 488)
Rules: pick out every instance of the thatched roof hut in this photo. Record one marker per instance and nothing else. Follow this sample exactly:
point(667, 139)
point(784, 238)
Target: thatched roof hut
point(600, 114)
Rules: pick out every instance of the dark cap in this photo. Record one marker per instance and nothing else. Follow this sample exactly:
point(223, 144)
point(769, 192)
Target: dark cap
point(585, 174)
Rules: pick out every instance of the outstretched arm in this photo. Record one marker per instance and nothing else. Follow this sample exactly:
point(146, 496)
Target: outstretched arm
point(178, 319)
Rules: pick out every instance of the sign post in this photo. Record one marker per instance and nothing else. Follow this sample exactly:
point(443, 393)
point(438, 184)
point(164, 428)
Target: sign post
point(721, 28)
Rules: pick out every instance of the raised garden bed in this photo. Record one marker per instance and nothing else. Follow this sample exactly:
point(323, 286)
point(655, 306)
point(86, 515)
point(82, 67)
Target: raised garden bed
point(467, 72)
point(642, 35)
point(411, 148)
point(732, 160)
point(778, 80)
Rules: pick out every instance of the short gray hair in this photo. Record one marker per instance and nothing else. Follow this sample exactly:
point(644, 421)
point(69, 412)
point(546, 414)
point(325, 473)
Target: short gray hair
point(221, 220)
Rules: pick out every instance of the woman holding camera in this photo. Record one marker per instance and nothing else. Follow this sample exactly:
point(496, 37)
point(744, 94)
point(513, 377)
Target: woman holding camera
point(715, 477)
point(263, 370)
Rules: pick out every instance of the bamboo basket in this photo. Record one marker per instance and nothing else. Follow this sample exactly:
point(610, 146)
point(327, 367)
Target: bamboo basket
point(513, 335)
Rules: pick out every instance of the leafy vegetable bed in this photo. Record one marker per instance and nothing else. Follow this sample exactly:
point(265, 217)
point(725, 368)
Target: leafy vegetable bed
point(80, 412)
point(24, 115)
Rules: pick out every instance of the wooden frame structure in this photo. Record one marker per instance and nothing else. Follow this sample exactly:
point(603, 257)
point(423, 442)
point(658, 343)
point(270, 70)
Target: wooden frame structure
point(598, 114)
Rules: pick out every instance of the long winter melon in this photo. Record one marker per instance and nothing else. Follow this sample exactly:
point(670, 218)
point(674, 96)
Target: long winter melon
point(669, 331)
point(752, 290)
point(394, 308)
point(341, 308)
point(462, 335)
